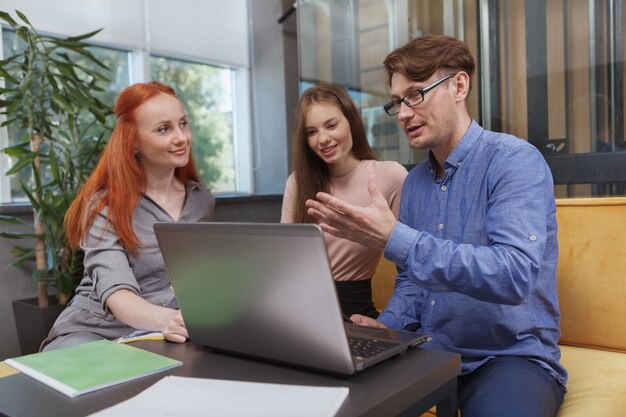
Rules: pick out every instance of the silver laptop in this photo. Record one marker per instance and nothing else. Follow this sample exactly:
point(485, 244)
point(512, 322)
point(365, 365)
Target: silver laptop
point(266, 291)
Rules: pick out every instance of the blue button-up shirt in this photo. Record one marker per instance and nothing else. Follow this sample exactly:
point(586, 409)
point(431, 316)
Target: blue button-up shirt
point(476, 253)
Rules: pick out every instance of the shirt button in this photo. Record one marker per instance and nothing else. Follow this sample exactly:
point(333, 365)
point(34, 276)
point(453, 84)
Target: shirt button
point(443, 188)
point(163, 303)
point(440, 225)
point(532, 237)
point(430, 339)
point(171, 288)
point(432, 303)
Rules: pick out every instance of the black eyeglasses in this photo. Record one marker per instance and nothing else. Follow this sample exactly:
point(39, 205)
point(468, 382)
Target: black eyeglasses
point(413, 98)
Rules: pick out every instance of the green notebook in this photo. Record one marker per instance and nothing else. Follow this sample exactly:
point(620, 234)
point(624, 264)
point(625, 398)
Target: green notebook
point(91, 366)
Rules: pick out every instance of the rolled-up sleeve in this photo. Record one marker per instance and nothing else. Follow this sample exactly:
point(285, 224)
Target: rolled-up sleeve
point(106, 261)
point(402, 310)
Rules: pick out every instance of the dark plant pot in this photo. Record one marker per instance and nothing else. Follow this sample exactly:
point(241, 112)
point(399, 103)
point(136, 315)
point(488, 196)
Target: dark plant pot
point(33, 322)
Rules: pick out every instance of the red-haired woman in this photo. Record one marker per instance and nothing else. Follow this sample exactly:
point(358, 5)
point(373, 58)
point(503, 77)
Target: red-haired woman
point(145, 175)
point(331, 154)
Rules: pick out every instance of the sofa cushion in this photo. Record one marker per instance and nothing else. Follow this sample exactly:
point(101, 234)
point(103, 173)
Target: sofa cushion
point(597, 382)
point(383, 283)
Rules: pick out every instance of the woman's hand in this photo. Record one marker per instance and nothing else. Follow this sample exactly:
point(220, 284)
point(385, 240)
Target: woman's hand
point(173, 326)
point(131, 309)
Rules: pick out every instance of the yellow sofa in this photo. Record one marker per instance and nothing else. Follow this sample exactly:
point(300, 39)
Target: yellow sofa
point(591, 278)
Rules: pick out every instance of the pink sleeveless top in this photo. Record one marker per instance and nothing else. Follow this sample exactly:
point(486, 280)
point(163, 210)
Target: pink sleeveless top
point(351, 261)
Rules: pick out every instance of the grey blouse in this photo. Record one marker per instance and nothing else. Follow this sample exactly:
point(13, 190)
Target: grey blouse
point(109, 267)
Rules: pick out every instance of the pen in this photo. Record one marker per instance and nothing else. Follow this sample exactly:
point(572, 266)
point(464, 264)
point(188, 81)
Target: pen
point(348, 319)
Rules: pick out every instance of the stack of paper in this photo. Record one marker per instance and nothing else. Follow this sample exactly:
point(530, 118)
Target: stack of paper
point(191, 397)
point(91, 366)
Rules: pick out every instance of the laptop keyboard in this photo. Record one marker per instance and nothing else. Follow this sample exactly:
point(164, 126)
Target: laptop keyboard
point(366, 347)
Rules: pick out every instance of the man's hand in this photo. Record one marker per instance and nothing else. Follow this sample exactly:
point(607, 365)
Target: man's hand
point(370, 226)
point(366, 321)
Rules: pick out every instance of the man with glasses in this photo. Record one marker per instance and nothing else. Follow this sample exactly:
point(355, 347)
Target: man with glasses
point(475, 243)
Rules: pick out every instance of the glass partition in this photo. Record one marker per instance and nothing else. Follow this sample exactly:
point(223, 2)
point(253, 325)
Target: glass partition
point(550, 72)
point(345, 42)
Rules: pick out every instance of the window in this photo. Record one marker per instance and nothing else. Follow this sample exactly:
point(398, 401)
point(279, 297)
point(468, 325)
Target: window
point(207, 94)
point(205, 90)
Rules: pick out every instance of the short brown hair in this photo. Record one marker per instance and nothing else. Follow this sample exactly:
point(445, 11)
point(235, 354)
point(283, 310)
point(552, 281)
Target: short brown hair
point(419, 59)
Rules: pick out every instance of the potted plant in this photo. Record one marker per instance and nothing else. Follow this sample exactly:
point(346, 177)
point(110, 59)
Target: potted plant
point(48, 98)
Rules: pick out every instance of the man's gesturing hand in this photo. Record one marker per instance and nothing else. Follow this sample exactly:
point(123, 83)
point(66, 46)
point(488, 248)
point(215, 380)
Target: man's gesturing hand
point(370, 226)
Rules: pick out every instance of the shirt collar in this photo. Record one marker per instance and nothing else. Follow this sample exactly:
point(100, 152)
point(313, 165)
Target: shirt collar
point(192, 186)
point(460, 151)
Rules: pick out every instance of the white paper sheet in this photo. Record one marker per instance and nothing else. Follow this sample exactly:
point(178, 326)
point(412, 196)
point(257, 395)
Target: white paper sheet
point(182, 397)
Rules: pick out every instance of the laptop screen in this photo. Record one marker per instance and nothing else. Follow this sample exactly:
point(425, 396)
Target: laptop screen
point(258, 289)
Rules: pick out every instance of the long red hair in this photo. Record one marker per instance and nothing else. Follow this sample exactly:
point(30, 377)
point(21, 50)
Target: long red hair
point(118, 181)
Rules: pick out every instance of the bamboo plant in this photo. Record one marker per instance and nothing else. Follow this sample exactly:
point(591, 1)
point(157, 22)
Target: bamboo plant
point(48, 97)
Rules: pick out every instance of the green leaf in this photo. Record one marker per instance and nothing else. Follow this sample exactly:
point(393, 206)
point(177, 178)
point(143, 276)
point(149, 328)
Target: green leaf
point(24, 34)
point(18, 235)
point(24, 258)
point(10, 59)
point(20, 165)
point(9, 219)
point(8, 77)
point(80, 49)
point(5, 90)
point(7, 18)
point(21, 15)
point(52, 81)
point(17, 150)
point(20, 250)
point(33, 201)
point(95, 74)
point(60, 100)
point(81, 37)
point(12, 220)
point(96, 113)
point(96, 61)
point(40, 275)
point(67, 71)
point(54, 166)
point(22, 254)
point(8, 121)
